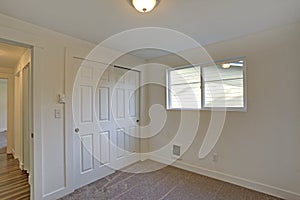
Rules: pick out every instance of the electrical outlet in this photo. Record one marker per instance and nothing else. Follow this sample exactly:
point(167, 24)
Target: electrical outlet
point(176, 150)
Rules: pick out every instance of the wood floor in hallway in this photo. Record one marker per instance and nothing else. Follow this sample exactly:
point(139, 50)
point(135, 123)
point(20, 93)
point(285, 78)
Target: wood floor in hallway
point(13, 181)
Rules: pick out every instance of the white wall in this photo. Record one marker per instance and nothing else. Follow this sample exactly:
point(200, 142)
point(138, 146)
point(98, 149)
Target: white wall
point(7, 73)
point(3, 105)
point(258, 148)
point(6, 70)
point(17, 117)
point(24, 60)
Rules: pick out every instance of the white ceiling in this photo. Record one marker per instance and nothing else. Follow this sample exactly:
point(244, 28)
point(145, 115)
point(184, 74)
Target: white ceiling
point(10, 55)
point(207, 21)
point(149, 53)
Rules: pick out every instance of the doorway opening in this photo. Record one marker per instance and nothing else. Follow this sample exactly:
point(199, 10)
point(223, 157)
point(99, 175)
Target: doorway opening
point(16, 108)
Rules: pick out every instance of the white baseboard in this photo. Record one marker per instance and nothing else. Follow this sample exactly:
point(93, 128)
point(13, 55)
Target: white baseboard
point(30, 179)
point(9, 150)
point(260, 187)
point(57, 194)
point(144, 157)
point(13, 152)
point(21, 165)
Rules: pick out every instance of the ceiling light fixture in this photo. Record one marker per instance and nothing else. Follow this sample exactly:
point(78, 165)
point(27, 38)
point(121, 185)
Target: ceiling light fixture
point(226, 65)
point(144, 5)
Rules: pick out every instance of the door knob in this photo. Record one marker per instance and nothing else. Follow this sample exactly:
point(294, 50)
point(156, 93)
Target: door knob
point(76, 130)
point(137, 121)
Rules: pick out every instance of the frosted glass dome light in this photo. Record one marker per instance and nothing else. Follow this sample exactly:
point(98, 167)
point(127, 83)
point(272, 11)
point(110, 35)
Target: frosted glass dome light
point(144, 5)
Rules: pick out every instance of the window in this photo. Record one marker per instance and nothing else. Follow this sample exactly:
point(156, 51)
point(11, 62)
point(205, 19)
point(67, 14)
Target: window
point(219, 85)
point(184, 88)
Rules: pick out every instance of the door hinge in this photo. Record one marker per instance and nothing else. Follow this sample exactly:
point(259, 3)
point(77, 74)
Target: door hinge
point(32, 135)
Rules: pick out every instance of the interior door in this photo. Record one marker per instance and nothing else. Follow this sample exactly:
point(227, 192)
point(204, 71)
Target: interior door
point(106, 114)
point(92, 124)
point(126, 116)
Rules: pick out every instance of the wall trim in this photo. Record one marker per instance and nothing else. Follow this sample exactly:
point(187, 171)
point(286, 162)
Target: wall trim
point(144, 157)
point(260, 187)
point(56, 194)
point(13, 153)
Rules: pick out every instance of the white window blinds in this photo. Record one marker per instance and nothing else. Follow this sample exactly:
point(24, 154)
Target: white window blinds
point(220, 85)
point(184, 88)
point(223, 85)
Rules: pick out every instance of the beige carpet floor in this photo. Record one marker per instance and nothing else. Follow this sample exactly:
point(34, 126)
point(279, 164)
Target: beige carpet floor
point(167, 183)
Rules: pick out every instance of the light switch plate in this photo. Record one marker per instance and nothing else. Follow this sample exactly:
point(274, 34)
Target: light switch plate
point(57, 113)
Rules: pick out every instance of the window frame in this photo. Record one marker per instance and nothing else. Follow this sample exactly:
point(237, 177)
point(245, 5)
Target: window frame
point(202, 86)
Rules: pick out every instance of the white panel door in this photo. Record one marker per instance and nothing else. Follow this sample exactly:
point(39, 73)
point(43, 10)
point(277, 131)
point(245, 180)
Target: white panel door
point(92, 123)
point(106, 114)
point(126, 116)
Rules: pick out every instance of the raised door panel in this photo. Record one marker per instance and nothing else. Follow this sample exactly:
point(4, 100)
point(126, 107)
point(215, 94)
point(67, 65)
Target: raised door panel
point(120, 142)
point(120, 97)
point(105, 148)
point(104, 107)
point(87, 162)
point(102, 148)
point(86, 104)
point(134, 144)
point(132, 103)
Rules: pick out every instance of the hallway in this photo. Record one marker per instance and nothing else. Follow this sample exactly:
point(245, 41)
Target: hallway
point(13, 181)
